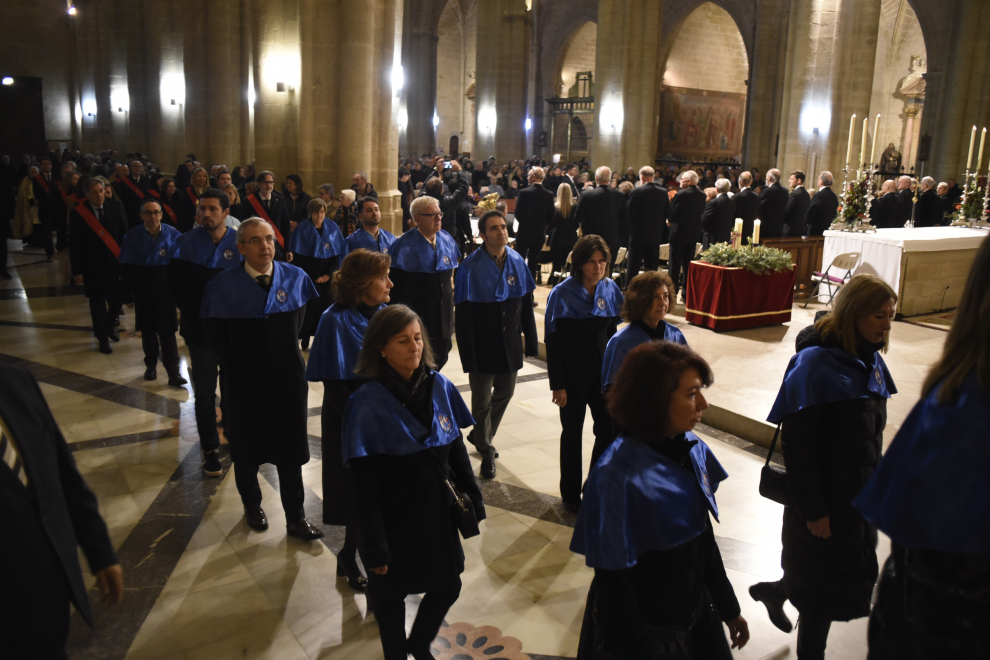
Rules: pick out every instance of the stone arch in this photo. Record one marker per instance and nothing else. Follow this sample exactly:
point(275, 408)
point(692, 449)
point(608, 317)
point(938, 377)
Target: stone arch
point(743, 12)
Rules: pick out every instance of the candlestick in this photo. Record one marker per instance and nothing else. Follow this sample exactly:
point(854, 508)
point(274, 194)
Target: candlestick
point(969, 158)
point(873, 149)
point(979, 159)
point(862, 151)
point(756, 232)
point(852, 129)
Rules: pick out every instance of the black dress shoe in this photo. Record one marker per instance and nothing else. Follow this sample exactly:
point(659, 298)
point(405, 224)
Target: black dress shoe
point(304, 344)
point(355, 580)
point(176, 380)
point(769, 594)
point(487, 467)
point(105, 347)
point(302, 529)
point(114, 336)
point(255, 518)
point(573, 507)
point(151, 373)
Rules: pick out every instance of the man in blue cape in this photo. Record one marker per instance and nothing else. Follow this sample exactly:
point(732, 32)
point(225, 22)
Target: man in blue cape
point(369, 235)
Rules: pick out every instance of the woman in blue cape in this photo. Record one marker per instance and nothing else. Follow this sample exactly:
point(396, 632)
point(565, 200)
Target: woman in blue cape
point(582, 315)
point(402, 441)
point(832, 407)
point(316, 246)
point(361, 288)
point(931, 496)
point(644, 309)
point(644, 524)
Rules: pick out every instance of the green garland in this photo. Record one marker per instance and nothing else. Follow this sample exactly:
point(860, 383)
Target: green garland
point(757, 259)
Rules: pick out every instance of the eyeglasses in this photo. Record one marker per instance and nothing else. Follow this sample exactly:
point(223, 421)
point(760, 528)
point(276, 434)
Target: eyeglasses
point(151, 213)
point(266, 181)
point(258, 240)
point(437, 215)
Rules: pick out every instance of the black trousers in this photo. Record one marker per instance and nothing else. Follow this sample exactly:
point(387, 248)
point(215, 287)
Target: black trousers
point(531, 253)
point(43, 236)
point(390, 612)
point(150, 341)
point(290, 487)
point(572, 422)
point(204, 366)
point(103, 311)
point(643, 256)
point(812, 637)
point(490, 396)
point(681, 256)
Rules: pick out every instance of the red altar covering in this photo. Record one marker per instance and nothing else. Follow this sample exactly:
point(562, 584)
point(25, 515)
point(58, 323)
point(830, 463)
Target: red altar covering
point(723, 298)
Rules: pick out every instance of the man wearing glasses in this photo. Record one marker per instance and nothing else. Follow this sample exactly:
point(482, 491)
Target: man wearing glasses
point(423, 263)
point(144, 258)
point(270, 206)
point(252, 315)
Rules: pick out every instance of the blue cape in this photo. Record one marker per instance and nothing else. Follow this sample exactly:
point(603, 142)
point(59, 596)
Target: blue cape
point(141, 249)
point(337, 343)
point(479, 280)
point(627, 339)
point(197, 247)
point(412, 253)
point(322, 243)
point(362, 239)
point(931, 490)
point(233, 294)
point(570, 300)
point(637, 500)
point(819, 375)
point(376, 423)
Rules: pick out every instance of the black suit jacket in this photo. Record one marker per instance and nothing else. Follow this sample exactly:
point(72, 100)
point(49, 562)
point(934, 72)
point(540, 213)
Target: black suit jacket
point(90, 256)
point(649, 208)
point(131, 200)
point(717, 220)
point(822, 210)
point(534, 211)
point(747, 208)
point(796, 212)
point(930, 212)
point(278, 212)
point(773, 205)
point(905, 205)
point(573, 184)
point(602, 211)
point(45, 521)
point(685, 215)
point(46, 200)
point(883, 212)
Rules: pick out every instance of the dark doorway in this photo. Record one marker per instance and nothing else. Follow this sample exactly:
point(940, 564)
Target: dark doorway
point(22, 122)
point(454, 146)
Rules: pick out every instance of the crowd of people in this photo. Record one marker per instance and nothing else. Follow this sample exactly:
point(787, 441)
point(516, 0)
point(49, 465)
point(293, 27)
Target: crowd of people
point(378, 314)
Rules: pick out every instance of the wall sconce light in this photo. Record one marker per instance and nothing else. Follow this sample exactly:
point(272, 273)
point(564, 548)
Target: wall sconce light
point(436, 120)
point(556, 159)
point(72, 10)
point(284, 87)
point(529, 123)
point(8, 80)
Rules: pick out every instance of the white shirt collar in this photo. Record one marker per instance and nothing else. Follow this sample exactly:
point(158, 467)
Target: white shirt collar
point(255, 274)
point(744, 188)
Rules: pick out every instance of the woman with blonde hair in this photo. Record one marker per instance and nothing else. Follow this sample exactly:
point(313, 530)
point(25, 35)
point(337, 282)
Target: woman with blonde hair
point(832, 410)
point(563, 229)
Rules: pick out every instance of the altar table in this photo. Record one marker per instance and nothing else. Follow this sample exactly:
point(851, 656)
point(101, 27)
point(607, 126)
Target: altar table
point(926, 266)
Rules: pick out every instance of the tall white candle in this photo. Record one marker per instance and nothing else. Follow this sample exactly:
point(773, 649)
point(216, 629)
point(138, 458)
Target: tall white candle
point(756, 232)
point(862, 151)
point(972, 139)
point(979, 159)
point(873, 150)
point(852, 129)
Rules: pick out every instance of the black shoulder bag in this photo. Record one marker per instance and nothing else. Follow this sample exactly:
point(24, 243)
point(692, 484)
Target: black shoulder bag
point(462, 511)
point(773, 478)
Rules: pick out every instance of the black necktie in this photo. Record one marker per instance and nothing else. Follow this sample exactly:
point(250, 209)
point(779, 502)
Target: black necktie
point(265, 281)
point(99, 215)
point(265, 202)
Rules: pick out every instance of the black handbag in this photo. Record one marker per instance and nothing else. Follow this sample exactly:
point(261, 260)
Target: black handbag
point(773, 478)
point(462, 512)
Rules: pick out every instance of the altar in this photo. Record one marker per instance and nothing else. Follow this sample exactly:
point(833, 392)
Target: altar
point(926, 266)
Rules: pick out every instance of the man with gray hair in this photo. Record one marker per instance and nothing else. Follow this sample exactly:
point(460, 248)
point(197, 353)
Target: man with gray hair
point(719, 216)
point(747, 204)
point(883, 212)
point(131, 188)
point(945, 200)
point(824, 206)
point(649, 207)
point(685, 228)
point(362, 187)
point(603, 211)
point(773, 205)
point(929, 212)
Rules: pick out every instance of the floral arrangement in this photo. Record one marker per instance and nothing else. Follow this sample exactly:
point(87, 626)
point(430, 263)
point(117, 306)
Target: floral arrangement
point(757, 259)
point(971, 205)
point(852, 209)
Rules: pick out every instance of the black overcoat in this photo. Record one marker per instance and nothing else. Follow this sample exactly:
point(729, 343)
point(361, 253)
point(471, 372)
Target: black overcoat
point(718, 219)
point(773, 205)
point(154, 306)
point(489, 335)
point(316, 268)
point(431, 295)
point(90, 256)
point(685, 216)
point(649, 208)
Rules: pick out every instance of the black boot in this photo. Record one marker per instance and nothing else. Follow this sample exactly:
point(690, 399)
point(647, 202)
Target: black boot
point(347, 567)
point(773, 595)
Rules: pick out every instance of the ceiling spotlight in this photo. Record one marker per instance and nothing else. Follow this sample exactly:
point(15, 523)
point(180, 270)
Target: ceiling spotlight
point(72, 10)
point(8, 80)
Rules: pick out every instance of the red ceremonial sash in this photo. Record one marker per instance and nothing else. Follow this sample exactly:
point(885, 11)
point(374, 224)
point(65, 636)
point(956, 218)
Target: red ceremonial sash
point(70, 200)
point(261, 213)
point(130, 184)
point(192, 195)
point(100, 230)
point(168, 209)
point(44, 184)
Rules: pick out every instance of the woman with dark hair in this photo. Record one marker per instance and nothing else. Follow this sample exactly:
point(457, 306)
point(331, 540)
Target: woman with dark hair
point(563, 229)
point(361, 288)
point(582, 315)
point(403, 445)
point(296, 200)
point(930, 496)
point(316, 246)
point(832, 409)
point(660, 588)
point(645, 307)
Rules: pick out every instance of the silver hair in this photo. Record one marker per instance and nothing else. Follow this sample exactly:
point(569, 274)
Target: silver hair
point(364, 175)
point(326, 187)
point(928, 182)
point(646, 170)
point(349, 194)
point(538, 173)
point(723, 185)
point(826, 178)
point(250, 222)
point(603, 174)
point(904, 178)
point(745, 178)
point(421, 204)
point(691, 176)
point(942, 183)
point(773, 175)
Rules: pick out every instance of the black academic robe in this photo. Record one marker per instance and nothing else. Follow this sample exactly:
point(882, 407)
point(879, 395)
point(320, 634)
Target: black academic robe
point(431, 295)
point(131, 200)
point(489, 335)
point(154, 306)
point(316, 268)
point(90, 256)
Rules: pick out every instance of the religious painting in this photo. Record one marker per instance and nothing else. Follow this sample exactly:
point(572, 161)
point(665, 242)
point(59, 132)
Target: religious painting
point(698, 123)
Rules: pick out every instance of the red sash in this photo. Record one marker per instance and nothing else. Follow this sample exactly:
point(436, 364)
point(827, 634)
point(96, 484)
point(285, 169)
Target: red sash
point(192, 196)
point(168, 209)
point(100, 230)
point(264, 216)
point(70, 200)
point(44, 184)
point(130, 184)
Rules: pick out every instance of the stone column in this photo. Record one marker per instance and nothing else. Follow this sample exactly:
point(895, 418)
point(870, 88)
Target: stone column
point(275, 28)
point(627, 89)
point(419, 67)
point(831, 55)
point(765, 94)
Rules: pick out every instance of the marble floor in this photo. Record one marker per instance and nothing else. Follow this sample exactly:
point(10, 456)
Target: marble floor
point(200, 584)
